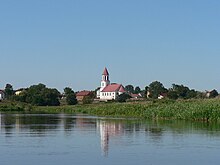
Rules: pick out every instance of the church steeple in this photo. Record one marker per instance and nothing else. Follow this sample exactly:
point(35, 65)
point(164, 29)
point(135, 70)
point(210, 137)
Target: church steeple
point(105, 79)
point(105, 75)
point(105, 72)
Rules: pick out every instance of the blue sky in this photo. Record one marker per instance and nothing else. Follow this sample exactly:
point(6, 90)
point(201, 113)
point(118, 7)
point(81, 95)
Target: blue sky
point(69, 42)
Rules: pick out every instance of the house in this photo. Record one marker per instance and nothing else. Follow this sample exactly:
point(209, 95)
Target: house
point(82, 94)
point(162, 96)
point(19, 91)
point(2, 95)
point(107, 90)
point(211, 94)
point(135, 96)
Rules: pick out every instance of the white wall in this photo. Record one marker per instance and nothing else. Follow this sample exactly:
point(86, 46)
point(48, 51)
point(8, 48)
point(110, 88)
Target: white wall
point(107, 95)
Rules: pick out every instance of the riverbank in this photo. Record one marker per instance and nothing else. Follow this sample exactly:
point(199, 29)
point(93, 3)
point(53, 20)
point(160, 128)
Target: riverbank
point(197, 109)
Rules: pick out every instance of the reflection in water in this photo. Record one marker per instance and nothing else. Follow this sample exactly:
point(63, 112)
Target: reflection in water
point(107, 130)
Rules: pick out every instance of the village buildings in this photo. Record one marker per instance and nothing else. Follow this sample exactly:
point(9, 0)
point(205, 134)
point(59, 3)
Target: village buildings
point(107, 90)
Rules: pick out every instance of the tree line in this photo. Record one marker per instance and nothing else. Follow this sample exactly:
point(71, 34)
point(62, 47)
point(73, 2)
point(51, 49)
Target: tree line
point(41, 95)
point(156, 88)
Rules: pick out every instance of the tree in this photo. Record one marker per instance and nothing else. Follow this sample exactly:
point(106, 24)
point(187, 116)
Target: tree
point(156, 88)
point(8, 91)
point(129, 88)
point(184, 92)
point(181, 90)
point(40, 95)
point(137, 90)
point(191, 94)
point(172, 95)
point(123, 97)
point(70, 96)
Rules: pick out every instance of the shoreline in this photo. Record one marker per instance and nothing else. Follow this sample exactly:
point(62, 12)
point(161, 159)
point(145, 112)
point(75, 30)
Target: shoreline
point(206, 110)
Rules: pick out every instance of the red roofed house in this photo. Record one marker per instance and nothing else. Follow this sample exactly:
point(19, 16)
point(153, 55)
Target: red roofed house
point(109, 91)
point(81, 95)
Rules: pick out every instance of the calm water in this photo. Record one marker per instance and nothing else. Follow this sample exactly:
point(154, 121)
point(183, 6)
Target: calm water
point(69, 139)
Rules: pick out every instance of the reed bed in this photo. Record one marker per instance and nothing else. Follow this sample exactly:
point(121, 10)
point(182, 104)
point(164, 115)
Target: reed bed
point(196, 110)
point(202, 110)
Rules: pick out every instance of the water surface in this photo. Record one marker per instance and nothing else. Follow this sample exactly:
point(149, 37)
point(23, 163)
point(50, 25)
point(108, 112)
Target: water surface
point(74, 139)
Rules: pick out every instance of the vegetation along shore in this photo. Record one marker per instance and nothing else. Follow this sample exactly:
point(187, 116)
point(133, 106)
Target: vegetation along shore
point(154, 102)
point(195, 109)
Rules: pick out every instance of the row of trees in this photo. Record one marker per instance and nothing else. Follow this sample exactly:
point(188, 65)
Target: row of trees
point(41, 95)
point(156, 88)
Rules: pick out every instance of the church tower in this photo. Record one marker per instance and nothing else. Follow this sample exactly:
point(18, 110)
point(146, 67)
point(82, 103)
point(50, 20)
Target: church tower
point(105, 79)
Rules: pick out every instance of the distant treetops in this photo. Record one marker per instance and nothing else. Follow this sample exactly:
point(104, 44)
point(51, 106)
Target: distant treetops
point(40, 95)
point(156, 90)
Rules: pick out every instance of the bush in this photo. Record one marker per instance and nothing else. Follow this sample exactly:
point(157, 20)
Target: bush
point(123, 97)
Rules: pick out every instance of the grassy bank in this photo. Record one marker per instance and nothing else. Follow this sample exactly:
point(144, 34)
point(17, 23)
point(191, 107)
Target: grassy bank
point(203, 110)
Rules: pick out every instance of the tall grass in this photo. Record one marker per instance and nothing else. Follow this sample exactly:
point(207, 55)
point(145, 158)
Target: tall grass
point(203, 110)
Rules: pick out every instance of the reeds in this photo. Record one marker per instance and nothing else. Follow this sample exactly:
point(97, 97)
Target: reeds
point(196, 109)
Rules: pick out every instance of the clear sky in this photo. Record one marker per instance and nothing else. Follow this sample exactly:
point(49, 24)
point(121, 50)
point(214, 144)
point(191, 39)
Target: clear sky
point(69, 42)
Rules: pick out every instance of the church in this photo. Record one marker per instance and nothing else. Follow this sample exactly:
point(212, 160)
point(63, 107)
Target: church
point(107, 90)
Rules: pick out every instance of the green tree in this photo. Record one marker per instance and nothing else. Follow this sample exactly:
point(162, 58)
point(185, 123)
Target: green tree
point(156, 88)
point(172, 95)
point(181, 90)
point(41, 95)
point(184, 92)
point(137, 90)
point(129, 88)
point(9, 91)
point(123, 97)
point(70, 96)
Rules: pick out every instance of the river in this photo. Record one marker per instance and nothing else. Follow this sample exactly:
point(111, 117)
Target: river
point(62, 139)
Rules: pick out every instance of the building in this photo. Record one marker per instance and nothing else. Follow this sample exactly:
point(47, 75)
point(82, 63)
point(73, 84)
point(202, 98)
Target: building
point(2, 95)
point(19, 91)
point(107, 90)
point(82, 94)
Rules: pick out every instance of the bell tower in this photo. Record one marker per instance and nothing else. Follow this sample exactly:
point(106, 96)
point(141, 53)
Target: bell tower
point(105, 79)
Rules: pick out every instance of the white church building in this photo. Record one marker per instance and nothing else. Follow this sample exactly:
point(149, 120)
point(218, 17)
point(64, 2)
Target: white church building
point(107, 90)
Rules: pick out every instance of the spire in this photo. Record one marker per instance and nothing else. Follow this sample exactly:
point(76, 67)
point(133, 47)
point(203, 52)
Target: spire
point(105, 72)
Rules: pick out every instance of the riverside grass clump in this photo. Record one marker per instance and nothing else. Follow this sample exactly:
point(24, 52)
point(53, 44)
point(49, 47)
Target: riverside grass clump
point(195, 109)
point(15, 107)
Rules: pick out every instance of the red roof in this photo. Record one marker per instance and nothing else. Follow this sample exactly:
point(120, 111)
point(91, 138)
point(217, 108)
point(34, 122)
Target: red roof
point(105, 72)
point(122, 89)
point(83, 93)
point(134, 95)
point(112, 88)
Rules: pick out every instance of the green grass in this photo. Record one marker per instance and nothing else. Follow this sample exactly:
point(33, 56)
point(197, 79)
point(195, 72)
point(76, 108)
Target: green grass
point(201, 110)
